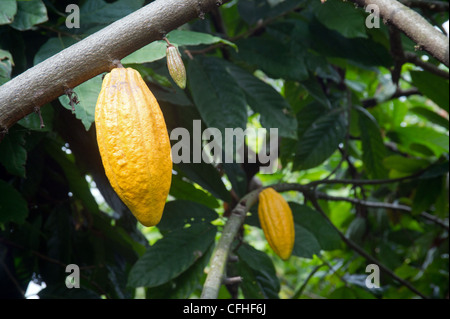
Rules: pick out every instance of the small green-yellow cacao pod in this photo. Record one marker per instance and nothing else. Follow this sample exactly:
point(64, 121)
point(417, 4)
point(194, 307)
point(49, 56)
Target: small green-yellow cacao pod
point(175, 65)
point(277, 222)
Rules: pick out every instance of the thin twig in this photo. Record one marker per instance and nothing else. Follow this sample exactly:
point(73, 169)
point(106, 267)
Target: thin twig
point(363, 253)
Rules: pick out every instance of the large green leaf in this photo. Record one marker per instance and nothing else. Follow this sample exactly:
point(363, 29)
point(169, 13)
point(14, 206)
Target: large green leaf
point(431, 116)
point(273, 57)
point(8, 9)
point(320, 140)
point(332, 44)
point(216, 94)
point(98, 13)
point(311, 220)
point(347, 22)
point(207, 177)
point(13, 207)
point(185, 284)
point(306, 244)
point(178, 213)
point(275, 112)
point(413, 135)
point(29, 13)
point(373, 147)
point(181, 189)
point(13, 155)
point(77, 182)
point(172, 255)
point(87, 95)
point(426, 194)
point(432, 86)
point(258, 273)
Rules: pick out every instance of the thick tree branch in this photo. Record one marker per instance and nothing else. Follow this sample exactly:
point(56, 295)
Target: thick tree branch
point(220, 256)
point(414, 26)
point(93, 55)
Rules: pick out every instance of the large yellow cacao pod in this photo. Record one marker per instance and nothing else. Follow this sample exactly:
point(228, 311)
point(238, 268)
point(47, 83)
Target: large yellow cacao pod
point(134, 144)
point(277, 222)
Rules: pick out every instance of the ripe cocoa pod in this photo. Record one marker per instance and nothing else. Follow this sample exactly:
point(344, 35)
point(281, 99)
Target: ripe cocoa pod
point(176, 66)
point(134, 144)
point(277, 222)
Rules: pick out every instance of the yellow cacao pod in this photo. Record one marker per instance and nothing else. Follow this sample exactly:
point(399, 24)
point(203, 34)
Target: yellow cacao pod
point(176, 66)
point(277, 222)
point(134, 144)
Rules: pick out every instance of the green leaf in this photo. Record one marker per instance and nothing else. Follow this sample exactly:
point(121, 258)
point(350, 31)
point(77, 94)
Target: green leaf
point(181, 189)
point(149, 53)
point(13, 207)
point(6, 65)
point(33, 122)
point(348, 22)
point(331, 43)
point(172, 255)
point(8, 9)
point(315, 90)
point(311, 220)
point(412, 135)
point(217, 96)
point(207, 177)
point(13, 155)
point(29, 13)
point(100, 13)
point(404, 165)
point(87, 94)
point(77, 182)
point(273, 57)
point(306, 244)
point(426, 194)
point(179, 213)
point(185, 284)
point(373, 147)
point(192, 38)
point(275, 112)
point(431, 116)
point(320, 140)
point(432, 86)
point(258, 273)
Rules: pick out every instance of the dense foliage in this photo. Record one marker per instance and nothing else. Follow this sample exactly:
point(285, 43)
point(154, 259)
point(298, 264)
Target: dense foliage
point(363, 145)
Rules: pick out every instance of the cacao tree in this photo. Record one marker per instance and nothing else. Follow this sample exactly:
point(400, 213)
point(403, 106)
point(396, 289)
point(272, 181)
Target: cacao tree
point(356, 92)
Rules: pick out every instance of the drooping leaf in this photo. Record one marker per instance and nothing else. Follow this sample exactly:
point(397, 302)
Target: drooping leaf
point(272, 57)
point(87, 95)
point(259, 276)
point(13, 154)
point(216, 94)
point(320, 140)
point(263, 99)
point(207, 177)
point(348, 22)
point(432, 86)
point(181, 189)
point(311, 220)
point(413, 135)
point(178, 213)
point(29, 13)
point(373, 147)
point(13, 207)
point(171, 255)
point(8, 9)
point(426, 194)
point(431, 116)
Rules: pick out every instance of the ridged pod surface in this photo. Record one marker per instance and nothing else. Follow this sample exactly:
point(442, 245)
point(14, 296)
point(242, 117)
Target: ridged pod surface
point(134, 144)
point(277, 222)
